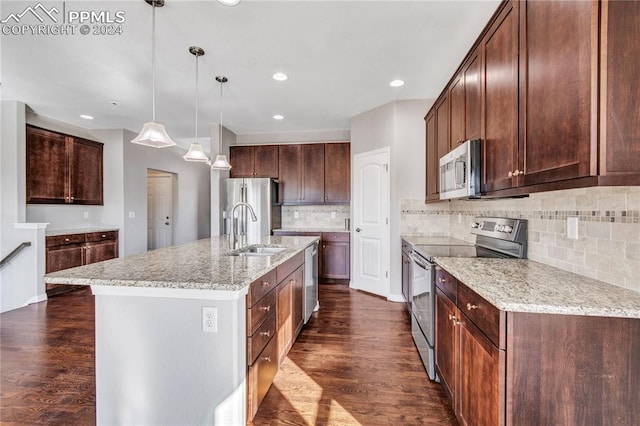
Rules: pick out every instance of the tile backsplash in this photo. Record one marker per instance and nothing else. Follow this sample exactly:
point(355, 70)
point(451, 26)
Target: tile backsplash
point(317, 216)
point(608, 244)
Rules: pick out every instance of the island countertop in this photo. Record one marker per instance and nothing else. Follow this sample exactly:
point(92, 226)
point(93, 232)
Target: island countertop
point(198, 266)
point(526, 286)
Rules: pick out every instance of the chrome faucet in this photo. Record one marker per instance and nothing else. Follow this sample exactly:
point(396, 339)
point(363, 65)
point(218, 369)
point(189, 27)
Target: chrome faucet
point(233, 240)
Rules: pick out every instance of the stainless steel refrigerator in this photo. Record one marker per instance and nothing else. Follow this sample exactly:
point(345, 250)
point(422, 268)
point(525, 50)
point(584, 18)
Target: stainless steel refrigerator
point(262, 195)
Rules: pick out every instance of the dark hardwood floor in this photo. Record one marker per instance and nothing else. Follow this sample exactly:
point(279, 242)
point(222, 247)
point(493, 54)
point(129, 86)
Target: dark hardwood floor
point(353, 364)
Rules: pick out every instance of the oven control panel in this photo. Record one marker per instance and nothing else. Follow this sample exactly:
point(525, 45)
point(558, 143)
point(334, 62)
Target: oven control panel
point(502, 228)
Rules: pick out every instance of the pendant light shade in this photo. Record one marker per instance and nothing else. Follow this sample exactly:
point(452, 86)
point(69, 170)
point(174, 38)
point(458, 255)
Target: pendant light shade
point(196, 153)
point(153, 134)
point(221, 162)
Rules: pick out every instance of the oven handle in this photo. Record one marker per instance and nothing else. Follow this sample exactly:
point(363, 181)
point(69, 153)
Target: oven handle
point(424, 264)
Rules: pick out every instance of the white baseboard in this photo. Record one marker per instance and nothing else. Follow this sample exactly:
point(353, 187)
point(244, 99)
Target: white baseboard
point(37, 299)
point(396, 298)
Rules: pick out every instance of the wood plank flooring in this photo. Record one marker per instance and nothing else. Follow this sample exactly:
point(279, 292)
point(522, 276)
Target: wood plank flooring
point(353, 364)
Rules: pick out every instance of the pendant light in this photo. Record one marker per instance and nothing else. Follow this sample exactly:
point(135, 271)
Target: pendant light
point(153, 133)
point(196, 153)
point(221, 162)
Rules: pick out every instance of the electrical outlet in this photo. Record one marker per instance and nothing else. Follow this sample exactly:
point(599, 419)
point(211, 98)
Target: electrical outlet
point(132, 215)
point(85, 214)
point(459, 217)
point(333, 215)
point(296, 215)
point(209, 319)
point(572, 228)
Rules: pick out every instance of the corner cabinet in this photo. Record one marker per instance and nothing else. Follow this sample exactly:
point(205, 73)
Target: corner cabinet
point(260, 161)
point(62, 169)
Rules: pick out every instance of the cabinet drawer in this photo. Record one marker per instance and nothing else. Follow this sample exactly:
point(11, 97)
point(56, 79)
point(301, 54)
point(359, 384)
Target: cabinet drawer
point(61, 240)
point(284, 270)
point(483, 314)
point(260, 287)
point(260, 338)
point(102, 236)
point(447, 283)
point(260, 376)
point(260, 311)
point(335, 236)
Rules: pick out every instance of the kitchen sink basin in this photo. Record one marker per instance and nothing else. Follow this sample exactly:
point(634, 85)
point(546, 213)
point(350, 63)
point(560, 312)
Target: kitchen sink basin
point(257, 250)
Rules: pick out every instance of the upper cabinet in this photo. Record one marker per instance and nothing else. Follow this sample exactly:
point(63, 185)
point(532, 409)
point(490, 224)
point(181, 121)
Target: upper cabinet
point(337, 173)
point(315, 173)
point(259, 161)
point(433, 177)
point(62, 169)
point(620, 92)
point(550, 89)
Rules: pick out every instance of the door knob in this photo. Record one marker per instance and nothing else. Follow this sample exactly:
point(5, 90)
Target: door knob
point(166, 223)
point(358, 229)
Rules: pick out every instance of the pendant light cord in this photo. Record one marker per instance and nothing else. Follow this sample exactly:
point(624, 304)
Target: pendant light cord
point(153, 61)
point(197, 97)
point(221, 84)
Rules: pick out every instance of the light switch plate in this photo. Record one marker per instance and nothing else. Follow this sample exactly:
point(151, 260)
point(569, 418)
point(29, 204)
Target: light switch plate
point(132, 215)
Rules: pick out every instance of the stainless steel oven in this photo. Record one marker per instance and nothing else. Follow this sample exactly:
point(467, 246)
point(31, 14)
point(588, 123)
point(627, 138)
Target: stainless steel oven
point(495, 238)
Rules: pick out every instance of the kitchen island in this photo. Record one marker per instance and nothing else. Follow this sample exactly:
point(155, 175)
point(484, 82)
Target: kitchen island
point(155, 364)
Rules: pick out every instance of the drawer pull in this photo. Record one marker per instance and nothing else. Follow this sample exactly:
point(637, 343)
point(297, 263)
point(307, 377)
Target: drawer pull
point(104, 236)
point(66, 239)
point(266, 308)
point(265, 333)
point(442, 280)
point(265, 283)
point(470, 306)
point(266, 358)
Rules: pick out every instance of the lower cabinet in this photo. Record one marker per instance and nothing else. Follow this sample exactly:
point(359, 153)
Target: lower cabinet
point(543, 367)
point(335, 254)
point(274, 320)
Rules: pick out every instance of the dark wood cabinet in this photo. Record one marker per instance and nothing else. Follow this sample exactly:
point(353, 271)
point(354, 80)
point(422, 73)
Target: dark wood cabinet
point(456, 111)
point(465, 102)
point(297, 279)
point(259, 161)
point(290, 168)
point(337, 173)
point(62, 169)
point(432, 159)
point(405, 274)
point(500, 62)
point(312, 186)
point(620, 93)
point(446, 342)
point(442, 127)
point(335, 253)
point(558, 107)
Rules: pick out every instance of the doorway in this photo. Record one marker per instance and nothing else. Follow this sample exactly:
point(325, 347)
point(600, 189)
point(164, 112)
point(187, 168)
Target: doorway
point(160, 211)
point(371, 236)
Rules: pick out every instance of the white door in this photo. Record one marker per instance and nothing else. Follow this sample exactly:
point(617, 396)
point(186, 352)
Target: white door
point(371, 236)
point(159, 210)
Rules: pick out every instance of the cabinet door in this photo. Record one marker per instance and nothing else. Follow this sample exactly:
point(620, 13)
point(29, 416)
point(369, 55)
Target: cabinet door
point(64, 257)
point(313, 173)
point(442, 126)
point(432, 160)
point(46, 167)
point(241, 160)
point(98, 252)
point(265, 161)
point(472, 75)
point(446, 343)
point(284, 313)
point(620, 85)
point(335, 260)
point(558, 57)
point(456, 112)
point(298, 301)
point(481, 388)
point(85, 172)
point(500, 141)
point(290, 173)
point(337, 173)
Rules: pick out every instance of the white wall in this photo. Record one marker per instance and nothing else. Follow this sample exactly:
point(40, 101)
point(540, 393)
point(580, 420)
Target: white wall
point(400, 126)
point(193, 199)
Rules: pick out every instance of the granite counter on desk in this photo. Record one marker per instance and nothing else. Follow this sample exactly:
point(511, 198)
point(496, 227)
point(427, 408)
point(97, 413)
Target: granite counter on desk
point(528, 286)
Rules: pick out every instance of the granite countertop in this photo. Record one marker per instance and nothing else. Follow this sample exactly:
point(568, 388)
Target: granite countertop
point(54, 232)
point(426, 240)
point(311, 230)
point(200, 265)
point(526, 286)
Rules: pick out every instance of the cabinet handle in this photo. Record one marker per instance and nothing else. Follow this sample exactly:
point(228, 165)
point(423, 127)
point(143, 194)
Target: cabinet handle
point(442, 280)
point(265, 333)
point(266, 308)
point(266, 358)
point(66, 239)
point(265, 283)
point(72, 198)
point(470, 306)
point(104, 236)
point(515, 173)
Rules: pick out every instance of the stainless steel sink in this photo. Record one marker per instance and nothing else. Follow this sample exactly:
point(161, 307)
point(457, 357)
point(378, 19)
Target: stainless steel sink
point(257, 250)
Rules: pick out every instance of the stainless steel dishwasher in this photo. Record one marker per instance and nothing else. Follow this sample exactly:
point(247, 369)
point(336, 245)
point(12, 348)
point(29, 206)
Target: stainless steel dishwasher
point(310, 281)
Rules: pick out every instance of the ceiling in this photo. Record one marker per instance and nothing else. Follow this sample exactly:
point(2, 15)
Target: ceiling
point(339, 55)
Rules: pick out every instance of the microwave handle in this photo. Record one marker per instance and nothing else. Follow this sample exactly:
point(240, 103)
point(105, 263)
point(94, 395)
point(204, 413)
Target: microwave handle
point(459, 174)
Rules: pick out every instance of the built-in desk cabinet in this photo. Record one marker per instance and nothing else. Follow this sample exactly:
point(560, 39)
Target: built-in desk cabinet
point(62, 169)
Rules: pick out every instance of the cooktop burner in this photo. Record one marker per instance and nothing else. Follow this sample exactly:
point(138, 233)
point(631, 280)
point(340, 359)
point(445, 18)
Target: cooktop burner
point(431, 251)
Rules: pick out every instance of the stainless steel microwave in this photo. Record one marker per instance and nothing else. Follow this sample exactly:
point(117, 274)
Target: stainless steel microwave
point(460, 171)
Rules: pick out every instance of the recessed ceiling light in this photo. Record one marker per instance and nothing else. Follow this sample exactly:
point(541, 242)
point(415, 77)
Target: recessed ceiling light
point(278, 117)
point(229, 2)
point(280, 76)
point(86, 117)
point(396, 83)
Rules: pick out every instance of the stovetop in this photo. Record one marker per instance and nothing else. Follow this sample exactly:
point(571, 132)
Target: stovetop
point(431, 251)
